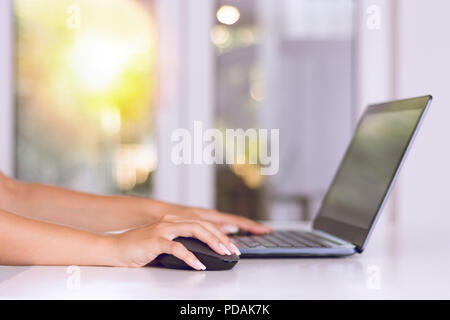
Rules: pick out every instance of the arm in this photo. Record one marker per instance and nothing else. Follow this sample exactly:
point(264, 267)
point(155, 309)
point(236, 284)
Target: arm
point(104, 213)
point(29, 242)
point(80, 210)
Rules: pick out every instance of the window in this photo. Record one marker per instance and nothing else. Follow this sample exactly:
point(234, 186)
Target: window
point(87, 97)
point(85, 94)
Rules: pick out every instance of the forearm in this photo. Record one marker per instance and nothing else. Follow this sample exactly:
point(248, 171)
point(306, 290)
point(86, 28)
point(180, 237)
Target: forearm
point(29, 242)
point(104, 213)
point(81, 210)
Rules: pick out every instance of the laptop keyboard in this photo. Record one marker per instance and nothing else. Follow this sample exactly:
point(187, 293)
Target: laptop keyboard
point(284, 239)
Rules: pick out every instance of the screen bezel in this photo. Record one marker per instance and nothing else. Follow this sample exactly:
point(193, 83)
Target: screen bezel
point(351, 233)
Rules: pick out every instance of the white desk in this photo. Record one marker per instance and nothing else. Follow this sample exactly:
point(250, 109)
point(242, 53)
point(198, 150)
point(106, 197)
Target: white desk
point(395, 265)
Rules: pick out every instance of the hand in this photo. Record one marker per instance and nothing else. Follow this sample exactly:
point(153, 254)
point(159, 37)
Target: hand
point(227, 223)
point(138, 247)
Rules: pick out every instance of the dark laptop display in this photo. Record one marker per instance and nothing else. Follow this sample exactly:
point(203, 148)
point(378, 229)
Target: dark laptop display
point(368, 169)
point(359, 189)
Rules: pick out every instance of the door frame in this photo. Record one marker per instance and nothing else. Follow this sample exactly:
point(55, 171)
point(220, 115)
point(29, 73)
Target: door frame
point(186, 95)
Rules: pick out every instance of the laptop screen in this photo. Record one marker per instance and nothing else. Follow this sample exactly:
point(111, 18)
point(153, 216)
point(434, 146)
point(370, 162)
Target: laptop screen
point(368, 169)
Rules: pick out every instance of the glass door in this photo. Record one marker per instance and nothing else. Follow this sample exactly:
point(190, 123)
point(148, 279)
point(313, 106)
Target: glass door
point(284, 65)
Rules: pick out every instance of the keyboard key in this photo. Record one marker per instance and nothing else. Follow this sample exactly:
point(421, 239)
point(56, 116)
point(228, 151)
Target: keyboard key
point(283, 239)
point(282, 243)
point(249, 242)
point(306, 240)
point(313, 238)
point(265, 242)
point(239, 243)
point(298, 240)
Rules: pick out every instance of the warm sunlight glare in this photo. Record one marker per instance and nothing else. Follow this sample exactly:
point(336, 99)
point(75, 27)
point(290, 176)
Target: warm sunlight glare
point(86, 77)
point(98, 61)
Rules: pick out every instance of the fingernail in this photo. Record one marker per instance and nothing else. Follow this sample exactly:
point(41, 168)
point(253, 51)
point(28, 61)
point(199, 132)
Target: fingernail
point(224, 249)
point(200, 265)
point(235, 249)
point(228, 228)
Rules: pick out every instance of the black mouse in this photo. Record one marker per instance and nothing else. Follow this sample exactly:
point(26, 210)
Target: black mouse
point(211, 259)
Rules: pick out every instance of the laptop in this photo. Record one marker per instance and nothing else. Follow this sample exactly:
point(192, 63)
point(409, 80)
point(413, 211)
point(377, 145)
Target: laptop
point(357, 193)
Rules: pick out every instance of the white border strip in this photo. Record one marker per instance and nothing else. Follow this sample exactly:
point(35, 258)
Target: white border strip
point(6, 88)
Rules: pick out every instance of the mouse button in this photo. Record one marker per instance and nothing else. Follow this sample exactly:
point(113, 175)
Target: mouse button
point(196, 245)
point(231, 258)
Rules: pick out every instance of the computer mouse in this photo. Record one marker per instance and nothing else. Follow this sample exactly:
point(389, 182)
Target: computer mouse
point(212, 260)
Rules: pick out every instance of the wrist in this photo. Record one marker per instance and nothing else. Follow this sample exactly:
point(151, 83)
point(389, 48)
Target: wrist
point(155, 210)
point(106, 250)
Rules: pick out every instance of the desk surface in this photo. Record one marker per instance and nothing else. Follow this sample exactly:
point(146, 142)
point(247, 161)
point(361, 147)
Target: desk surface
point(398, 264)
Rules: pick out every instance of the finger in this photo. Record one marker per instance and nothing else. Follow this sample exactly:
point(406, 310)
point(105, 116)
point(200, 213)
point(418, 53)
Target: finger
point(226, 245)
point(195, 229)
point(220, 222)
point(224, 239)
point(233, 221)
point(229, 228)
point(178, 250)
point(245, 224)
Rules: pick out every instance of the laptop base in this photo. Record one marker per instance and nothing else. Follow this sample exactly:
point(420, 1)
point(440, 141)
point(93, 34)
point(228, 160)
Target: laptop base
point(291, 244)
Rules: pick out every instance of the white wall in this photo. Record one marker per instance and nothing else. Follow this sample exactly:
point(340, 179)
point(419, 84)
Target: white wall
point(423, 67)
point(374, 54)
point(186, 69)
point(6, 87)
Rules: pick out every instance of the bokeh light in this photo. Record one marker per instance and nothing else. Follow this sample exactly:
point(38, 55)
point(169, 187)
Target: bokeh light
point(228, 15)
point(221, 36)
point(133, 165)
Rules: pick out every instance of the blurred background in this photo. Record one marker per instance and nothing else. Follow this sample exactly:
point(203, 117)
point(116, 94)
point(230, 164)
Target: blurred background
point(90, 92)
